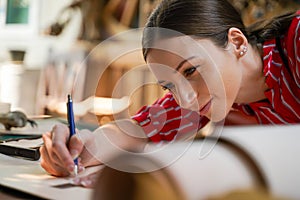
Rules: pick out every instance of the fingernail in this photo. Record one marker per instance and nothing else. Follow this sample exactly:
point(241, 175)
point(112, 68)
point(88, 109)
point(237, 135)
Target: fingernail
point(74, 154)
point(81, 168)
point(75, 181)
point(71, 168)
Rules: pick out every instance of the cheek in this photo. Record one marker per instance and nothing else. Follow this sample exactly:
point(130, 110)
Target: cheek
point(219, 110)
point(222, 86)
point(226, 95)
point(200, 88)
point(232, 82)
point(210, 82)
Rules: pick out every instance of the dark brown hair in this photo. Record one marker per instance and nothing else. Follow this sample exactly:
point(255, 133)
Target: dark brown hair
point(210, 19)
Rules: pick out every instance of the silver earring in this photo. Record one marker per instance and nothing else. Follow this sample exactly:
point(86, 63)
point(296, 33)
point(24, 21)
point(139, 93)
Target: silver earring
point(244, 50)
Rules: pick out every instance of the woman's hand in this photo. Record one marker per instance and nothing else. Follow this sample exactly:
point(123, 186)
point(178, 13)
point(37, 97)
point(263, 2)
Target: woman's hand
point(59, 151)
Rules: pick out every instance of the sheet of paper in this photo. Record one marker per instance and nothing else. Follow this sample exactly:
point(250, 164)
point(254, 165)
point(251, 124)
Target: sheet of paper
point(26, 143)
point(30, 177)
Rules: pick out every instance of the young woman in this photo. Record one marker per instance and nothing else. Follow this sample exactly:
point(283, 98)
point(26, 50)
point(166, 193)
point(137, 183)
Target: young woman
point(259, 68)
point(215, 69)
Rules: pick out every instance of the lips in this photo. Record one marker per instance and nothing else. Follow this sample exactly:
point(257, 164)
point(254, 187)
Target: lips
point(204, 109)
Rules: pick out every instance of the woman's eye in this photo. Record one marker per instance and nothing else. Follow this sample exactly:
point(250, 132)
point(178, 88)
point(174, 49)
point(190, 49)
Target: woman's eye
point(189, 71)
point(164, 87)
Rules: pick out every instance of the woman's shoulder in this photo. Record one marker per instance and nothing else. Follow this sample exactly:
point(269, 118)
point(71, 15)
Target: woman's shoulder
point(294, 30)
point(291, 45)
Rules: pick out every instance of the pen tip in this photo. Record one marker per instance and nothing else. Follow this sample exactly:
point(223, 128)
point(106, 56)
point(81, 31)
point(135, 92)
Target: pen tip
point(69, 97)
point(75, 170)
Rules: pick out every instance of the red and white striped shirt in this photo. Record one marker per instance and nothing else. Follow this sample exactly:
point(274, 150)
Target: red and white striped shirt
point(165, 120)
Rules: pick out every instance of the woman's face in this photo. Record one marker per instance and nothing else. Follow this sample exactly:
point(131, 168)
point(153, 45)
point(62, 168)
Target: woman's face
point(202, 76)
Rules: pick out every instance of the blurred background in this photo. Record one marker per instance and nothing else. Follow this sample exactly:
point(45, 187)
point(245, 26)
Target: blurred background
point(48, 45)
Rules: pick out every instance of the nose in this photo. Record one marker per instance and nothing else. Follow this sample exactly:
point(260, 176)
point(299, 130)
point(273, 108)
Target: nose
point(186, 97)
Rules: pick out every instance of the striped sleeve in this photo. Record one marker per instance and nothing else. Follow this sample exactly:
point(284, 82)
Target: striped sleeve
point(291, 84)
point(292, 48)
point(165, 120)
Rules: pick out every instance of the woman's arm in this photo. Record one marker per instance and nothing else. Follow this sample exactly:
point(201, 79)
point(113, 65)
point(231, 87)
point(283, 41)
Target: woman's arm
point(236, 117)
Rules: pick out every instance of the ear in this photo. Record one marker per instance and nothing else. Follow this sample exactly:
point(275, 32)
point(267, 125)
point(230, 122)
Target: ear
point(238, 40)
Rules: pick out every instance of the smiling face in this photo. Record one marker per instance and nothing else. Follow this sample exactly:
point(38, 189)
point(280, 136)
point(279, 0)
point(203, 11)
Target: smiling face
point(202, 76)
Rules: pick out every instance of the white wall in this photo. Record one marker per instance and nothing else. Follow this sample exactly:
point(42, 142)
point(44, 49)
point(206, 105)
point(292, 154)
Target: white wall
point(19, 84)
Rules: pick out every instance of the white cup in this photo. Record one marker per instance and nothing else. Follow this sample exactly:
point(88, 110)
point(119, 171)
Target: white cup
point(4, 107)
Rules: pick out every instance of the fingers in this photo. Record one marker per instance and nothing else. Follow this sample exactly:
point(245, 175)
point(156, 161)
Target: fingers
point(58, 145)
point(84, 142)
point(55, 156)
point(49, 166)
point(75, 146)
point(47, 148)
point(88, 181)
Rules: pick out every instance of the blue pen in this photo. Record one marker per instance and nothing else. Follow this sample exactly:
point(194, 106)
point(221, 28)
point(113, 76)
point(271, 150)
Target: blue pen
point(70, 115)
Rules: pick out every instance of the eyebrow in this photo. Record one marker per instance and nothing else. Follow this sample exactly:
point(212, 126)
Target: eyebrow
point(182, 62)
